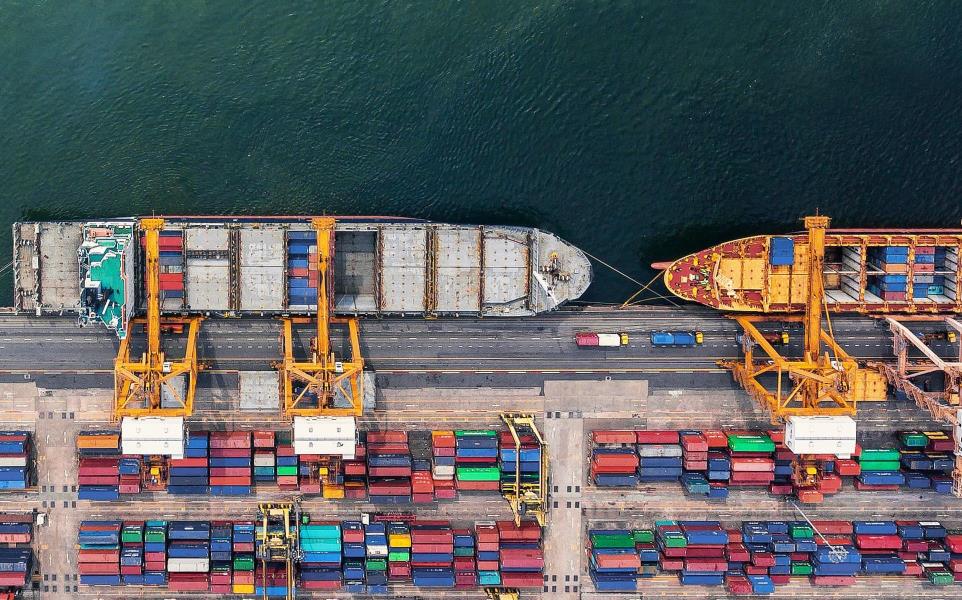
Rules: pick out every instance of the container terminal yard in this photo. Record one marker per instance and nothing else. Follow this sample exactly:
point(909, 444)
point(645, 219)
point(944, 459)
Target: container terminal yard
point(482, 437)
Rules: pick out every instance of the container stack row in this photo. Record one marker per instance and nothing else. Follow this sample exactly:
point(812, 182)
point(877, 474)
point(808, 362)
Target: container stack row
point(302, 274)
point(476, 460)
point(16, 556)
point(14, 460)
point(231, 463)
point(709, 463)
point(527, 462)
point(219, 556)
point(172, 269)
point(758, 555)
point(389, 467)
point(191, 474)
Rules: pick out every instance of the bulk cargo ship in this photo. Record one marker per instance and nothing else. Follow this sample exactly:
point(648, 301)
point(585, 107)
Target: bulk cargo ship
point(268, 265)
point(864, 270)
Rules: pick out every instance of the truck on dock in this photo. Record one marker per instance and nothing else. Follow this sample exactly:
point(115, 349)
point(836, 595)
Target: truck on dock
point(775, 338)
point(590, 339)
point(676, 339)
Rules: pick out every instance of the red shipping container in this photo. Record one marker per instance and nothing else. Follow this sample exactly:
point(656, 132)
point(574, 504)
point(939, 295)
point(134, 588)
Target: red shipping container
point(618, 561)
point(242, 481)
point(912, 569)
point(614, 437)
point(755, 570)
point(98, 568)
point(834, 527)
point(693, 442)
point(657, 437)
point(672, 564)
point(715, 438)
point(810, 496)
point(705, 551)
point(187, 582)
point(847, 467)
point(781, 489)
point(188, 462)
point(738, 585)
point(12, 579)
point(230, 471)
point(763, 559)
point(488, 565)
point(98, 556)
point(98, 480)
point(706, 565)
point(521, 580)
point(131, 570)
point(752, 464)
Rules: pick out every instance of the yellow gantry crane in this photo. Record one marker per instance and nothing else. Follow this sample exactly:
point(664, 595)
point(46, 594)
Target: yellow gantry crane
point(526, 497)
point(825, 380)
point(277, 541)
point(314, 386)
point(143, 387)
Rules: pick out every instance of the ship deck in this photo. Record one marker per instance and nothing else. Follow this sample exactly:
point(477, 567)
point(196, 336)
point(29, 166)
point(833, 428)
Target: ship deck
point(382, 267)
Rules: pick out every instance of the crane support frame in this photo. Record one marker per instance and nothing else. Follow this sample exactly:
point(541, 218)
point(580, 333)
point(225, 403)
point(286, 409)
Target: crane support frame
point(942, 405)
point(140, 385)
point(526, 497)
point(321, 375)
point(278, 540)
point(822, 381)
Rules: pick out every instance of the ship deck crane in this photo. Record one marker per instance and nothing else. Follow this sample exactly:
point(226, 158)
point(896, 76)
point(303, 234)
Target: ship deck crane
point(314, 386)
point(816, 383)
point(526, 497)
point(143, 387)
point(277, 538)
point(825, 380)
point(905, 375)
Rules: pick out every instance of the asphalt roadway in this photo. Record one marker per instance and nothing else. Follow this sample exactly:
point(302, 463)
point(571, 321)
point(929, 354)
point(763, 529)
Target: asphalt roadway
point(543, 344)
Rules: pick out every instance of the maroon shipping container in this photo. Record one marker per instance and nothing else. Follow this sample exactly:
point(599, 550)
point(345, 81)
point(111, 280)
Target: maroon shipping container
point(230, 471)
point(188, 582)
point(87, 526)
point(389, 471)
point(428, 536)
point(381, 437)
point(389, 488)
point(15, 518)
point(131, 570)
point(878, 542)
point(229, 439)
point(834, 527)
point(320, 585)
point(188, 462)
point(97, 471)
point(399, 570)
point(98, 480)
point(738, 585)
point(232, 452)
point(704, 564)
point(706, 552)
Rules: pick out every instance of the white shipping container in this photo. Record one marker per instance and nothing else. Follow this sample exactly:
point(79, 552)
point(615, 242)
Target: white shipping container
point(376, 550)
point(263, 460)
point(13, 461)
point(188, 565)
point(821, 435)
point(609, 340)
point(152, 435)
point(325, 435)
point(344, 449)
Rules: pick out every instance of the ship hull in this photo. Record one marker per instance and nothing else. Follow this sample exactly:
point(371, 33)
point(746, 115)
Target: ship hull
point(265, 265)
point(865, 271)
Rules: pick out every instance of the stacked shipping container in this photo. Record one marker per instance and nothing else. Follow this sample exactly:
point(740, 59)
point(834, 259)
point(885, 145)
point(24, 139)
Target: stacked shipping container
point(218, 556)
point(16, 556)
point(476, 460)
point(14, 460)
point(758, 555)
point(708, 463)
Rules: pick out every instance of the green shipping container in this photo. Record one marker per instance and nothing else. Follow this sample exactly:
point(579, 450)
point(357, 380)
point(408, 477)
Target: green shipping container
point(463, 551)
point(287, 470)
point(643, 536)
point(155, 536)
point(674, 540)
point(475, 433)
point(131, 535)
point(914, 439)
point(801, 532)
point(376, 564)
point(612, 541)
point(243, 563)
point(940, 577)
point(478, 473)
point(879, 454)
point(399, 556)
point(751, 443)
point(801, 568)
point(880, 465)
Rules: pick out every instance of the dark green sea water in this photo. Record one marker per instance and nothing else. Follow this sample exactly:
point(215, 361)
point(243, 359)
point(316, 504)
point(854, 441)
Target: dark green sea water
point(637, 130)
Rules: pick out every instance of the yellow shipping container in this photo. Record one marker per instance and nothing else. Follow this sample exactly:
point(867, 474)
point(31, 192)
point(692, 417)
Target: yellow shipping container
point(243, 588)
point(399, 540)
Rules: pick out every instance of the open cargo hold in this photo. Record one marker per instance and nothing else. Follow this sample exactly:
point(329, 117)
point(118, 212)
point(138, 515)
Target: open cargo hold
point(219, 556)
point(708, 463)
point(754, 557)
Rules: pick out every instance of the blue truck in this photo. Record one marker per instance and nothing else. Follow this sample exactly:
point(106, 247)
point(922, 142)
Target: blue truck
point(676, 339)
